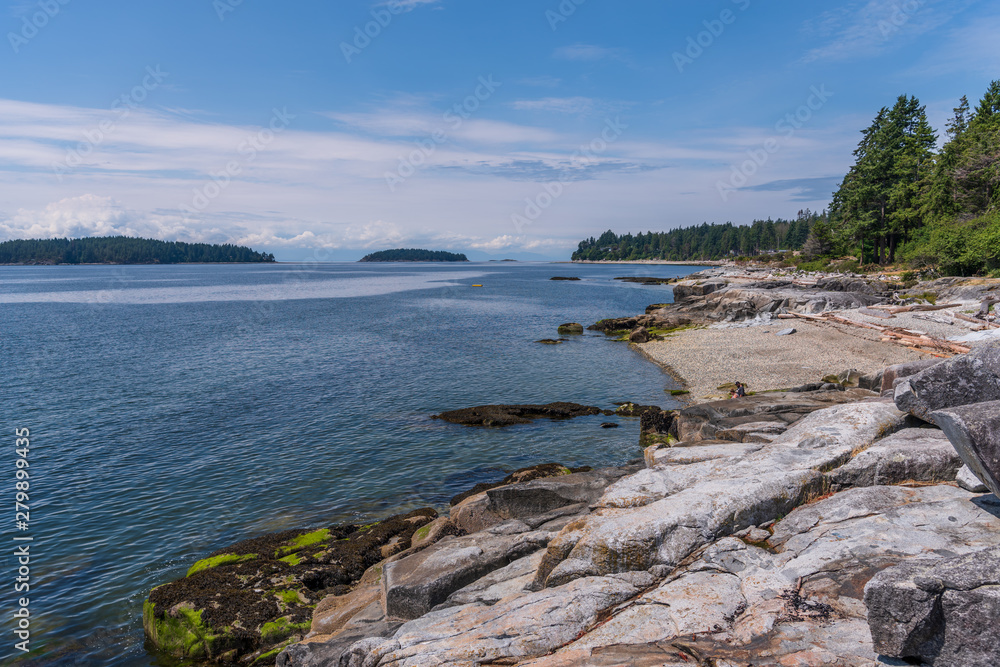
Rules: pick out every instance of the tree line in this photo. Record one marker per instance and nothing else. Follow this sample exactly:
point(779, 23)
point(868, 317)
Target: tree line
point(703, 242)
point(123, 250)
point(414, 255)
point(903, 202)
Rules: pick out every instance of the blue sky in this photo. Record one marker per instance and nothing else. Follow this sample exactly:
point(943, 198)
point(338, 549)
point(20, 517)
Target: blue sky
point(326, 130)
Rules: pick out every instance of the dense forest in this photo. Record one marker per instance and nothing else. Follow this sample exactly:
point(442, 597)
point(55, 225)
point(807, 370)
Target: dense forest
point(904, 202)
point(414, 255)
point(704, 242)
point(122, 250)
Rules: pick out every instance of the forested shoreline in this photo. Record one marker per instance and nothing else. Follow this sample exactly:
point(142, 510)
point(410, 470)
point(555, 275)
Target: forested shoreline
point(414, 255)
point(903, 203)
point(124, 250)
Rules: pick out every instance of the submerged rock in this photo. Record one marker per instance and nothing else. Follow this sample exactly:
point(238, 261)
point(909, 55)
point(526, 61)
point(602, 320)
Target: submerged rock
point(508, 415)
point(570, 328)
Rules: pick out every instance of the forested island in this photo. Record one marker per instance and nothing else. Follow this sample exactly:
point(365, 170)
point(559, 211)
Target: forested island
point(414, 255)
point(903, 203)
point(124, 250)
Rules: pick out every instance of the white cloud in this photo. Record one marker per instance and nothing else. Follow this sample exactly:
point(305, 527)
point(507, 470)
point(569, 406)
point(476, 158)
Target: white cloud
point(573, 105)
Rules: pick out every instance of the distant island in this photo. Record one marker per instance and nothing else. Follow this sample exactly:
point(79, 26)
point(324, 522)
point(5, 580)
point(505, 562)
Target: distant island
point(124, 250)
point(414, 255)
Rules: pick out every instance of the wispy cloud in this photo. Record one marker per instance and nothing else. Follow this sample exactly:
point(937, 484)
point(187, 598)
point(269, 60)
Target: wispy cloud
point(802, 189)
point(540, 81)
point(865, 28)
point(971, 48)
point(574, 105)
point(588, 53)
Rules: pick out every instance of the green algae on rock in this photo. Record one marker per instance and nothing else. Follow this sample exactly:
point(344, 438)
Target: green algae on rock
point(247, 601)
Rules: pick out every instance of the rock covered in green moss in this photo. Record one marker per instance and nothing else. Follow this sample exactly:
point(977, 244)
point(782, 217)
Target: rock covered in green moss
point(247, 601)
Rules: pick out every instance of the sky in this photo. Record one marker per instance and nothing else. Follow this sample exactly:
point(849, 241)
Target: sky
point(501, 128)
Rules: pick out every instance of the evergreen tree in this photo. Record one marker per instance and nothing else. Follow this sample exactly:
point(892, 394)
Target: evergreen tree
point(879, 199)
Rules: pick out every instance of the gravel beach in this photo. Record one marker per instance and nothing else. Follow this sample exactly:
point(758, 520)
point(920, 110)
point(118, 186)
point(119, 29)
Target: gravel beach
point(705, 359)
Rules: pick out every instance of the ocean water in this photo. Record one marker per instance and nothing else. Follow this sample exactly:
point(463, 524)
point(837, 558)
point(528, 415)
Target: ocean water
point(176, 409)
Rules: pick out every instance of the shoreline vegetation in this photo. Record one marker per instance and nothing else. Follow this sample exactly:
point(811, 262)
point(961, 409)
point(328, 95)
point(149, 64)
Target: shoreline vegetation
point(414, 255)
point(123, 250)
point(903, 205)
point(552, 567)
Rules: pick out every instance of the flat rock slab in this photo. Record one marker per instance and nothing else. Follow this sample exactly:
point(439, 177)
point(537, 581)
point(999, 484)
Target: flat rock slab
point(522, 626)
point(911, 455)
point(658, 455)
point(940, 611)
point(416, 584)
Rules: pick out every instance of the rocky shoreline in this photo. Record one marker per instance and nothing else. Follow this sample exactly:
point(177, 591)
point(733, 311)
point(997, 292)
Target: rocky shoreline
point(842, 521)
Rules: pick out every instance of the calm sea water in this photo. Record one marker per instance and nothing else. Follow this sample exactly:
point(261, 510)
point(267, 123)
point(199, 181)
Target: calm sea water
point(177, 409)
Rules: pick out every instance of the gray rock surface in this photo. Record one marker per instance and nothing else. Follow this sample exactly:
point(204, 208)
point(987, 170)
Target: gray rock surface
point(737, 604)
point(416, 584)
point(893, 375)
point(941, 611)
point(969, 378)
point(660, 515)
point(911, 455)
point(521, 626)
point(968, 481)
point(974, 430)
point(664, 565)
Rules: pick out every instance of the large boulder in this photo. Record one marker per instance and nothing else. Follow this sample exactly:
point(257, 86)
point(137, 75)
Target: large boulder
point(639, 335)
point(974, 430)
point(893, 375)
point(939, 611)
point(970, 378)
